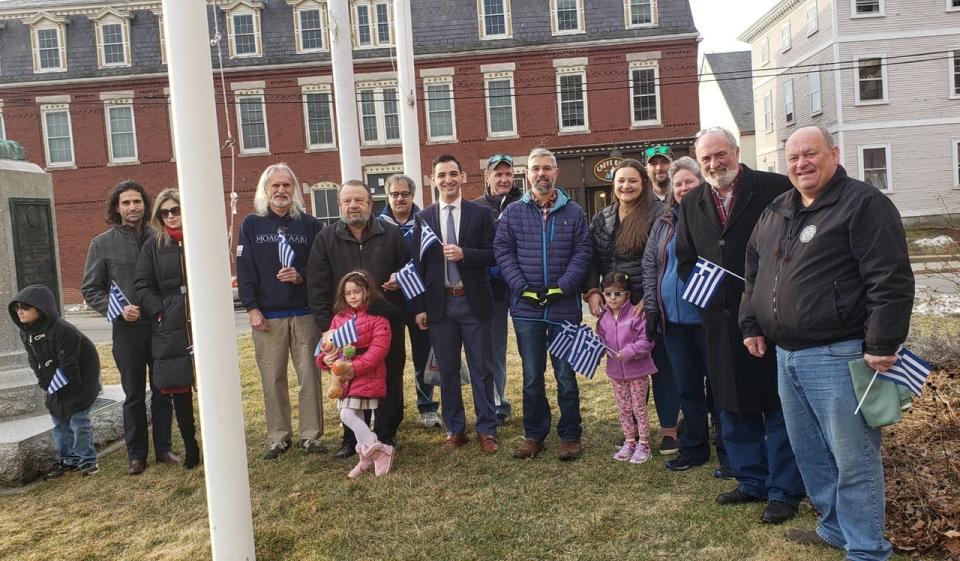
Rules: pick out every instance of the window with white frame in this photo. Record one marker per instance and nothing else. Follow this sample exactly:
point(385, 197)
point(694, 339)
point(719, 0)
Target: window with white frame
point(373, 23)
point(953, 5)
point(113, 40)
point(875, 165)
point(644, 93)
point(640, 13)
point(813, 23)
point(501, 109)
point(438, 94)
point(788, 111)
point(866, 8)
point(572, 99)
point(244, 26)
point(816, 97)
point(325, 206)
point(310, 23)
point(378, 112)
point(566, 16)
point(953, 68)
point(764, 51)
point(871, 85)
point(49, 48)
point(785, 37)
point(495, 21)
point(767, 112)
point(318, 116)
point(252, 122)
point(955, 145)
point(121, 131)
point(57, 135)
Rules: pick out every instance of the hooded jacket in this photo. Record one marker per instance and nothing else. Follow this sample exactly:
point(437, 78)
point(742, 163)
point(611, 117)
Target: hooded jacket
point(53, 343)
point(626, 334)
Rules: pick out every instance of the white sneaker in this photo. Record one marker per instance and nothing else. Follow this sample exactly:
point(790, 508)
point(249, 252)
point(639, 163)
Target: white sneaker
point(430, 420)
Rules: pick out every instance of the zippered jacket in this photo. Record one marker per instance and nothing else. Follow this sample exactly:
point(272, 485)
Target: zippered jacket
point(373, 344)
point(626, 334)
point(112, 256)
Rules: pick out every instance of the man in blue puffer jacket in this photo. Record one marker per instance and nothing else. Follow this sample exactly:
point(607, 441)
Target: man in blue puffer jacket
point(543, 249)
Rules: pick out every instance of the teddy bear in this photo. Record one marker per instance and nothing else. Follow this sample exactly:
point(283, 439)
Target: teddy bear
point(342, 369)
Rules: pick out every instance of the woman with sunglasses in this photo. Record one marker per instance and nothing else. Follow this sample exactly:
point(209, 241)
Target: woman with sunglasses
point(160, 286)
point(619, 233)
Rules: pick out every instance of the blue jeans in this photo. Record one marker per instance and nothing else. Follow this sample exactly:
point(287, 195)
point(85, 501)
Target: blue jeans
point(666, 395)
point(839, 455)
point(500, 309)
point(420, 347)
point(760, 456)
point(73, 439)
point(532, 339)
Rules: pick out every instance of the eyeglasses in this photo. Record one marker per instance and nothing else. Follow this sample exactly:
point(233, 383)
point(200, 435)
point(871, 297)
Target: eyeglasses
point(614, 294)
point(401, 195)
point(658, 150)
point(24, 307)
point(167, 212)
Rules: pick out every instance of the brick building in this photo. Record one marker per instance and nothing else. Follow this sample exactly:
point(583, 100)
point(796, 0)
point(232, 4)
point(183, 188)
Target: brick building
point(83, 87)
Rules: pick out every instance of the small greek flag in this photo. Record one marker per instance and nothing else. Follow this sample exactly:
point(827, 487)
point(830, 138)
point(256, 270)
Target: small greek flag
point(58, 381)
point(116, 301)
point(909, 371)
point(562, 341)
point(427, 238)
point(586, 352)
point(410, 282)
point(286, 251)
point(346, 334)
point(703, 283)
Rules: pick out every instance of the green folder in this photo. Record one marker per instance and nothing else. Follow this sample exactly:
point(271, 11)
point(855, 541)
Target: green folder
point(885, 401)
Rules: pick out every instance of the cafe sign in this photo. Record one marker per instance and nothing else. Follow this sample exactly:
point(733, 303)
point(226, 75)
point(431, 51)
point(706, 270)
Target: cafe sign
point(604, 168)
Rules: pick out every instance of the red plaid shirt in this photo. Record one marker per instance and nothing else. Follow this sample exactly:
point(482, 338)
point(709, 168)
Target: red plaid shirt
point(546, 205)
point(724, 211)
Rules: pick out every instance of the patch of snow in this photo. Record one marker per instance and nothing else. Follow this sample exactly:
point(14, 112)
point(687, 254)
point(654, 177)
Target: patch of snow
point(939, 241)
point(936, 303)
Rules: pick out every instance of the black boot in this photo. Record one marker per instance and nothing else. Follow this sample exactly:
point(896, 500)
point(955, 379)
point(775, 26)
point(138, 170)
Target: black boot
point(183, 407)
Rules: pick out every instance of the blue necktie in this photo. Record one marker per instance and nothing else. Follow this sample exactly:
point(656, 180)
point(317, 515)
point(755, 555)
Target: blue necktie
point(453, 273)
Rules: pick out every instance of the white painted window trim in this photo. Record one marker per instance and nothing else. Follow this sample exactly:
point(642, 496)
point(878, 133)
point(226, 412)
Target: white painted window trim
point(637, 65)
point(555, 20)
point(3, 123)
point(173, 140)
point(323, 186)
point(952, 78)
point(242, 9)
point(767, 104)
point(855, 15)
point(432, 81)
point(379, 108)
point(57, 108)
point(492, 76)
point(628, 15)
point(789, 103)
point(582, 72)
point(949, 7)
point(482, 27)
point(883, 77)
point(318, 89)
point(813, 24)
point(61, 45)
point(888, 158)
point(250, 94)
point(954, 148)
point(107, 106)
point(163, 39)
point(124, 24)
point(764, 51)
point(815, 71)
point(786, 41)
point(309, 6)
point(371, 6)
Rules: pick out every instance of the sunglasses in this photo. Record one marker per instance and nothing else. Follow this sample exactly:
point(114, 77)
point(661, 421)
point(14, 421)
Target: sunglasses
point(166, 212)
point(659, 150)
point(24, 307)
point(401, 195)
point(501, 158)
point(614, 294)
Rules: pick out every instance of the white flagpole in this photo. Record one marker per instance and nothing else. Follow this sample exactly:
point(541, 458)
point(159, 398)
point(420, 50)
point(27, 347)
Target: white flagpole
point(870, 385)
point(207, 256)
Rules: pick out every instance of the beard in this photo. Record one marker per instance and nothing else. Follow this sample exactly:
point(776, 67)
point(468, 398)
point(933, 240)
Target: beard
point(357, 221)
point(720, 179)
point(663, 184)
point(542, 189)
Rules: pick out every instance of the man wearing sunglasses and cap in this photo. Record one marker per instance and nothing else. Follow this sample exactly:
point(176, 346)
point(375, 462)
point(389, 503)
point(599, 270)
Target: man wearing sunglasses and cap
point(501, 191)
point(659, 159)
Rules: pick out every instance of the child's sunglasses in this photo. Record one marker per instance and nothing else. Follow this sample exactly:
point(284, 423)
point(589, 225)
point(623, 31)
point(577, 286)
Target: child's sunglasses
point(614, 294)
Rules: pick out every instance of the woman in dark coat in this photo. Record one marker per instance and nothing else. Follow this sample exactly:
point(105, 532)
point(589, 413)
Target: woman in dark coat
point(619, 233)
point(161, 288)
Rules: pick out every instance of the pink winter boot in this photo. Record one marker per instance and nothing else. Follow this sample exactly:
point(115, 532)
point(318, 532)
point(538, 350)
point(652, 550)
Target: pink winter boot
point(383, 459)
point(366, 454)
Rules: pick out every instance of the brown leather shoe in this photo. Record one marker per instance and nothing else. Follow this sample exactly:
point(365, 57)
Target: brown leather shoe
point(455, 440)
point(136, 467)
point(570, 450)
point(168, 458)
point(488, 443)
point(529, 449)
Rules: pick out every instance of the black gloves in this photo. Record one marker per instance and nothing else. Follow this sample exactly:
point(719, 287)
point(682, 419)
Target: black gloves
point(541, 296)
point(653, 326)
point(552, 295)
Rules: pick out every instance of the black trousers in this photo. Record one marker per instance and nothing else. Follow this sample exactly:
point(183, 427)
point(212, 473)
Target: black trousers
point(131, 353)
point(390, 412)
point(183, 406)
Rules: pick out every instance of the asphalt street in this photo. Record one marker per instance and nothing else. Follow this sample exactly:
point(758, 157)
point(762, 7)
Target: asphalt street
point(95, 326)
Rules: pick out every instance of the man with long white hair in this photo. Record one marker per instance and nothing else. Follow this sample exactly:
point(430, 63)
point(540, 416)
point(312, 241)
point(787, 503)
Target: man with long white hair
point(271, 268)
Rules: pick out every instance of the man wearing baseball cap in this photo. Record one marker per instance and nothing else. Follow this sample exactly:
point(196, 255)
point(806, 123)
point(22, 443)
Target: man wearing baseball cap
point(659, 159)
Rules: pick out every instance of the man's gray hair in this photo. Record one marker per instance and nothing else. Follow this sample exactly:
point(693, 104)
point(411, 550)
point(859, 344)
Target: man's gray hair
point(541, 152)
point(261, 199)
point(685, 163)
point(354, 183)
point(731, 140)
point(400, 178)
point(827, 136)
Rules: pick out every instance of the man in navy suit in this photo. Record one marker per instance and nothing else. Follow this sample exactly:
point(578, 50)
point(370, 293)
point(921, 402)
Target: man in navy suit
point(458, 304)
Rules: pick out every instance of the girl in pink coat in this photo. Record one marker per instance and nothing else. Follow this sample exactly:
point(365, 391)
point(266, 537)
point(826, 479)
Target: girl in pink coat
point(629, 366)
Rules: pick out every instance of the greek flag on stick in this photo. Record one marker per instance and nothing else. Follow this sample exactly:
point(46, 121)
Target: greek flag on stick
point(286, 251)
point(909, 371)
point(586, 352)
point(58, 381)
point(427, 238)
point(703, 282)
point(116, 301)
point(562, 341)
point(346, 334)
point(410, 282)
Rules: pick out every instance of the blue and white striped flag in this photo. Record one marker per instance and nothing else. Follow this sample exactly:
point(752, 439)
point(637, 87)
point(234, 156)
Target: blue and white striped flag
point(58, 380)
point(286, 251)
point(909, 371)
point(410, 282)
point(586, 352)
point(116, 301)
point(703, 282)
point(562, 341)
point(427, 238)
point(346, 334)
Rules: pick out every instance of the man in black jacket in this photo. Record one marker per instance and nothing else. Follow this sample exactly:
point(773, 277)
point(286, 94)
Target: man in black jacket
point(829, 279)
point(359, 241)
point(716, 220)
